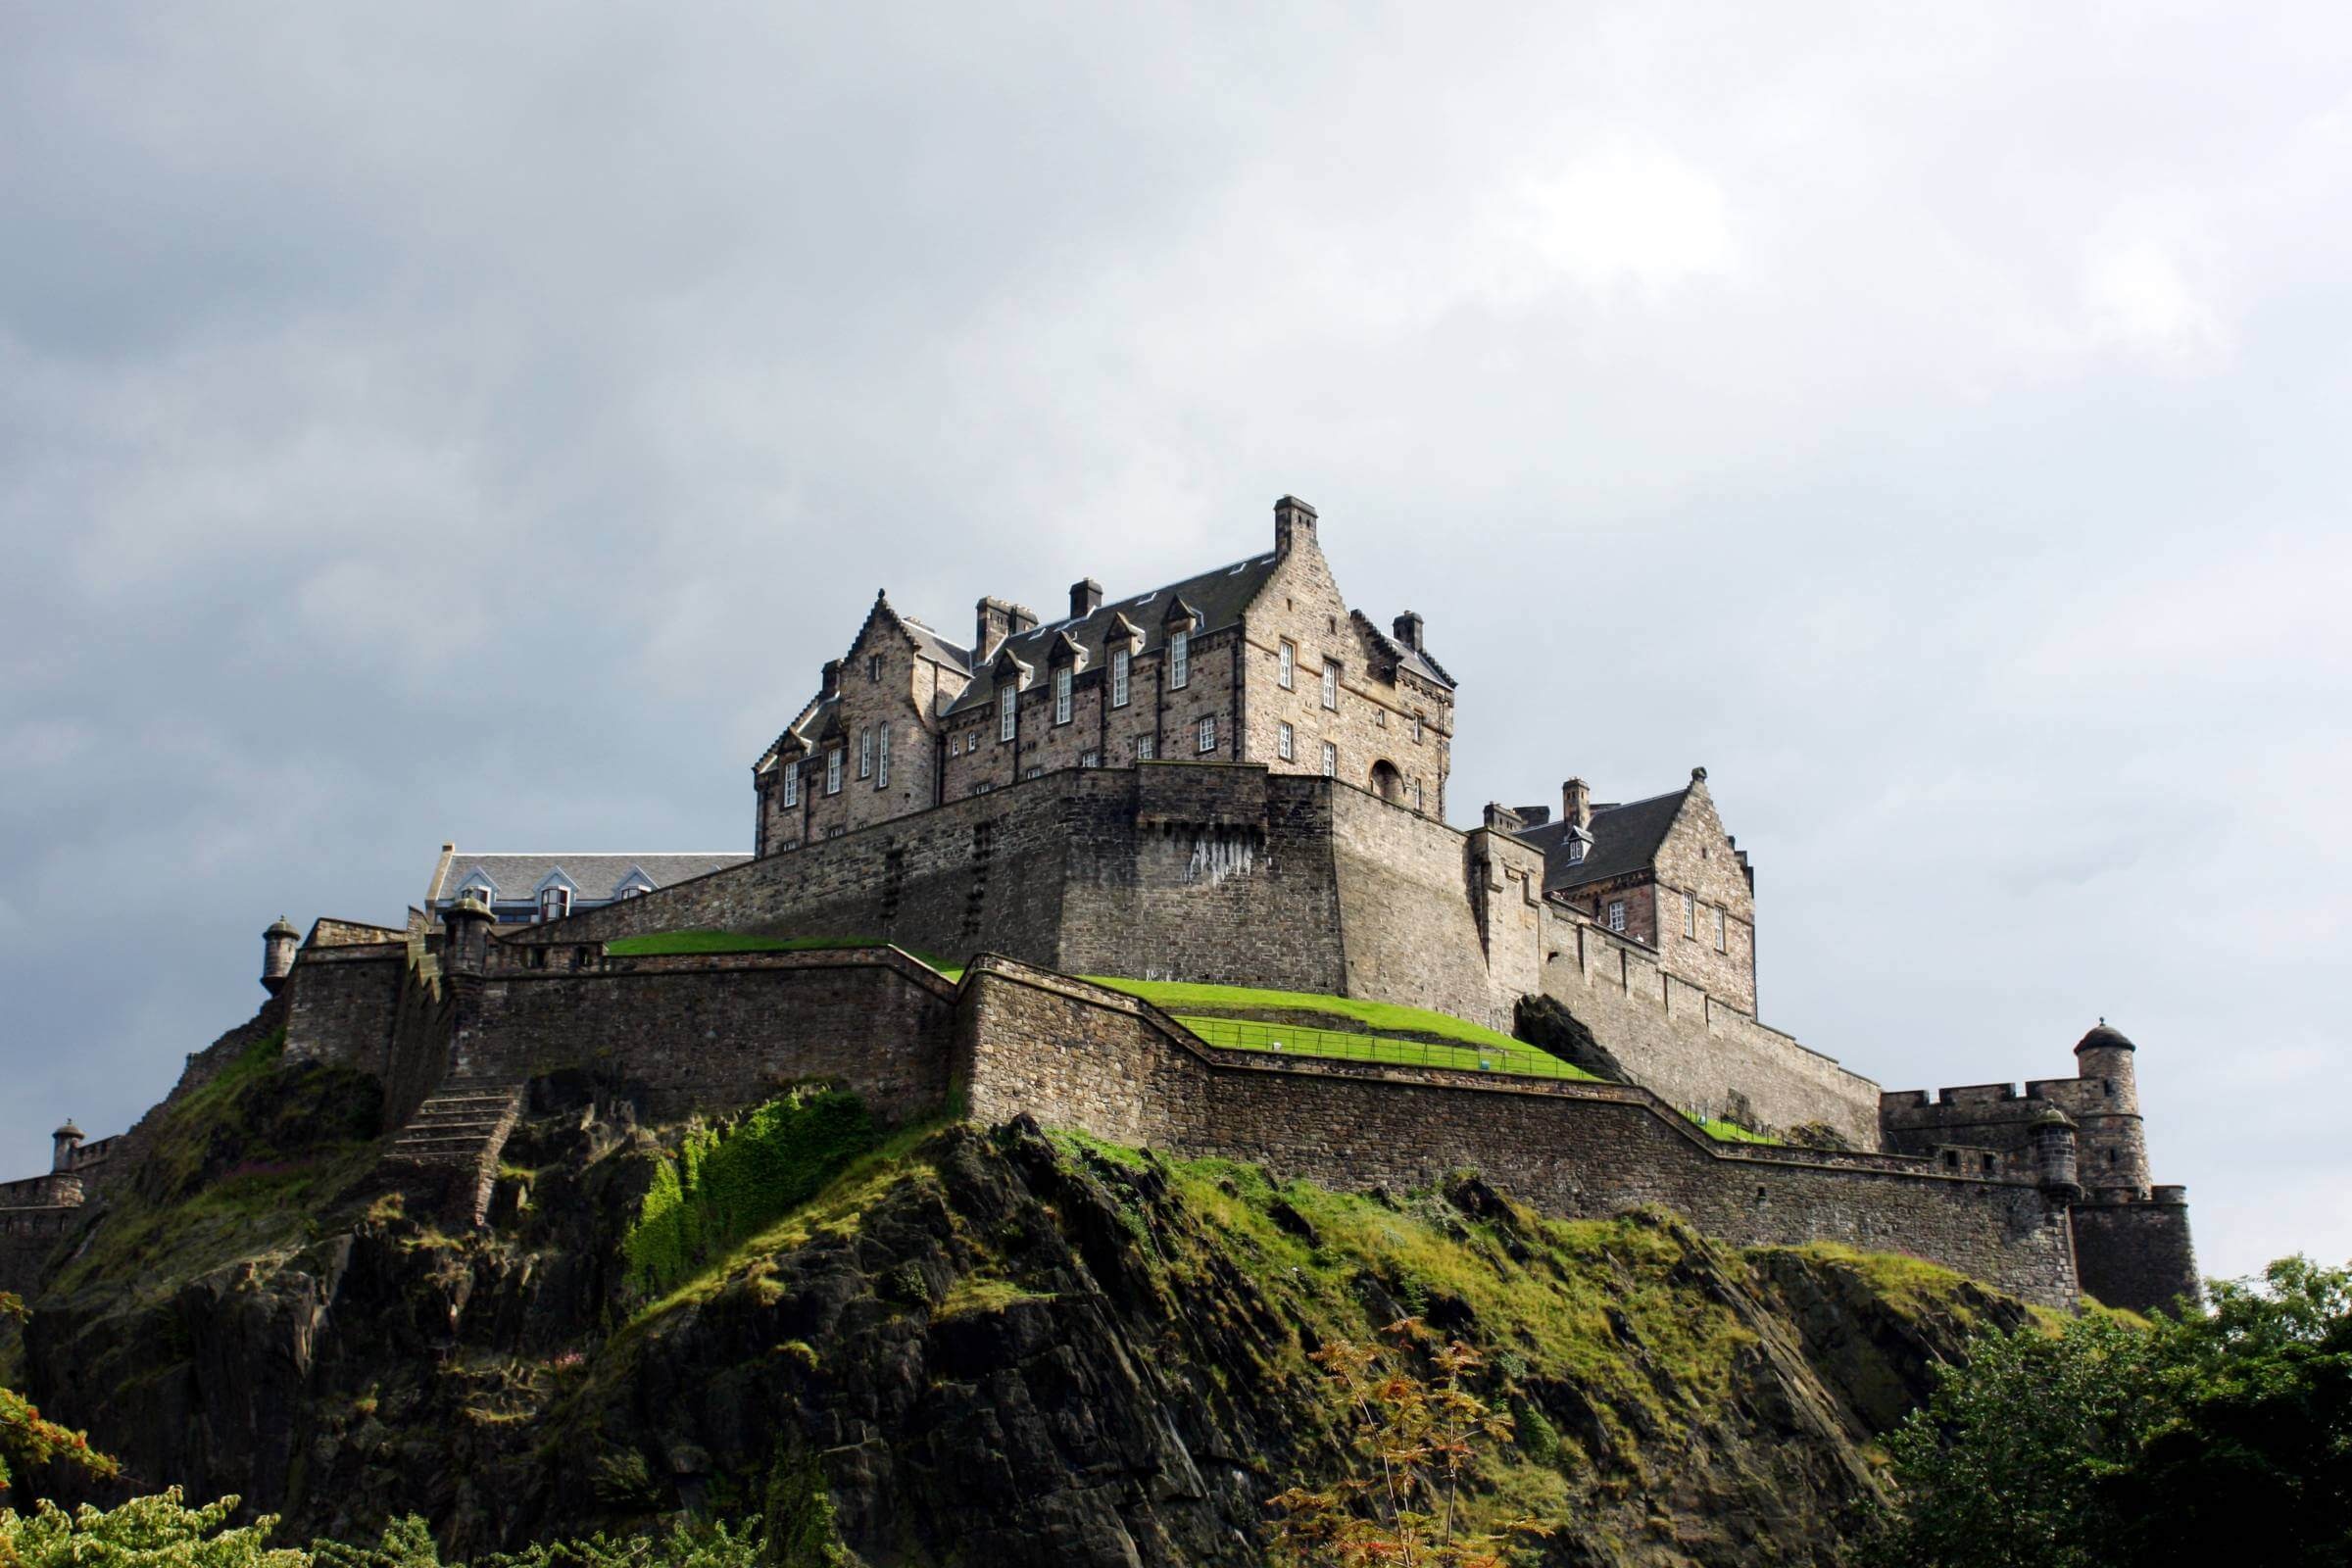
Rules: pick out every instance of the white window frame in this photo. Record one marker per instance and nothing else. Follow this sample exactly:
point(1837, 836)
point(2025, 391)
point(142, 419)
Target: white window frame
point(866, 754)
point(1120, 659)
point(1286, 672)
point(1416, 729)
point(1207, 733)
point(1007, 714)
point(791, 783)
point(1330, 684)
point(1285, 742)
point(1063, 681)
point(833, 770)
point(882, 759)
point(1180, 660)
point(559, 898)
point(1416, 795)
point(955, 744)
point(1691, 915)
point(1090, 759)
point(1576, 851)
point(1617, 915)
point(1147, 747)
point(1331, 761)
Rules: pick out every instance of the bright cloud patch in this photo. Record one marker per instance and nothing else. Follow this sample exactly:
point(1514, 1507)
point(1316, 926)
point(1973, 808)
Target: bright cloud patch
point(1626, 215)
point(2139, 300)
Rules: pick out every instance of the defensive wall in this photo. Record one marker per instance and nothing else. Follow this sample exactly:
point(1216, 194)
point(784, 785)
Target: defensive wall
point(1231, 874)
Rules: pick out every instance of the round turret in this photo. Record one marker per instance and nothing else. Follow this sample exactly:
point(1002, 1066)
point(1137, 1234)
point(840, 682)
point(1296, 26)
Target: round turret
point(66, 1140)
point(2053, 1132)
point(277, 952)
point(2113, 1156)
point(467, 947)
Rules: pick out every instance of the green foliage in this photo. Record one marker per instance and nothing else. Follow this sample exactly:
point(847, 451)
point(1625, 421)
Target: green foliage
point(28, 1437)
point(407, 1543)
point(664, 944)
point(1351, 1046)
point(727, 1182)
point(1380, 1016)
point(799, 1530)
point(2224, 1435)
point(157, 1531)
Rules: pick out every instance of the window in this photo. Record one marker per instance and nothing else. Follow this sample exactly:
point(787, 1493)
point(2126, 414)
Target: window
point(1616, 914)
point(866, 754)
point(1090, 759)
point(1330, 684)
point(1179, 659)
point(791, 783)
point(1576, 851)
point(1690, 914)
point(1380, 718)
point(882, 761)
point(1331, 761)
point(481, 893)
point(1037, 770)
point(1416, 729)
point(1005, 715)
point(1145, 748)
point(1416, 795)
point(788, 844)
point(1287, 666)
point(1062, 694)
point(1119, 659)
point(956, 745)
point(833, 771)
point(1721, 933)
point(1208, 733)
point(983, 787)
point(1281, 742)
point(873, 666)
point(836, 831)
point(635, 890)
point(554, 903)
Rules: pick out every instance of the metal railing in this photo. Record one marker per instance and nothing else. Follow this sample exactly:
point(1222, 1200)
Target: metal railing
point(1242, 1034)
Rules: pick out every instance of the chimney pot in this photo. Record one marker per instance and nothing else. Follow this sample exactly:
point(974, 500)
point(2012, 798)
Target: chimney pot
point(1294, 518)
point(1086, 597)
point(832, 680)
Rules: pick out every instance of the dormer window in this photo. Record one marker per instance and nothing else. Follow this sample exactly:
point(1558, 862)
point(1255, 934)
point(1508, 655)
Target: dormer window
point(478, 893)
point(1061, 694)
point(1179, 659)
point(1006, 718)
point(635, 890)
point(1119, 661)
point(554, 903)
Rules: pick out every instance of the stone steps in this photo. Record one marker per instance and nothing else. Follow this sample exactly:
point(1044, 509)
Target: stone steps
point(449, 1150)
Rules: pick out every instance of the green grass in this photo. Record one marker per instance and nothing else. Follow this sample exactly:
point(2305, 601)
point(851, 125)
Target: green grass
point(1379, 1017)
point(1516, 1060)
point(1730, 1132)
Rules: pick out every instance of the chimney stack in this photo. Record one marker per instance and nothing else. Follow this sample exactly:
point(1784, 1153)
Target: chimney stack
point(1294, 520)
point(1086, 597)
point(1576, 803)
point(831, 687)
point(1408, 630)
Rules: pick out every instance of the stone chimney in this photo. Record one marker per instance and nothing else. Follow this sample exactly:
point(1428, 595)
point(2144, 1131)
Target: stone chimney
point(1086, 597)
point(831, 686)
point(1294, 521)
point(1408, 630)
point(1575, 804)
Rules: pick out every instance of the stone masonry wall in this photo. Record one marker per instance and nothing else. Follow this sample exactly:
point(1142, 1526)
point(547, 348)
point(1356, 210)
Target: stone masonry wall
point(341, 1001)
point(1699, 878)
point(2137, 1254)
point(1072, 1055)
point(1692, 1050)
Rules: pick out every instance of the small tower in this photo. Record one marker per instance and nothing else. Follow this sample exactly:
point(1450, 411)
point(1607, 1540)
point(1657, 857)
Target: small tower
point(1294, 523)
point(466, 949)
point(277, 953)
point(2114, 1152)
point(67, 1143)
point(2054, 1154)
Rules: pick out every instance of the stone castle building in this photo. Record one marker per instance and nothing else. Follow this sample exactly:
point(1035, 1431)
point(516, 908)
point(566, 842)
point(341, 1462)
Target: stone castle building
point(1232, 779)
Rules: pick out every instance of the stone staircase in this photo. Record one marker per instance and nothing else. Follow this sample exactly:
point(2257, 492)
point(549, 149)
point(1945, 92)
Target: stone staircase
point(447, 1155)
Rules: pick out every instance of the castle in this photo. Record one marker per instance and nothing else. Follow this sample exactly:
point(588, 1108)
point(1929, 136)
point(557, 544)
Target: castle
point(1233, 779)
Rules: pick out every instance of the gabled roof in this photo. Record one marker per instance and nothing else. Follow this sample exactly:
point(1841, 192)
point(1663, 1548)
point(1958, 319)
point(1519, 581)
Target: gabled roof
point(1217, 597)
point(1415, 659)
point(1625, 838)
point(932, 646)
point(516, 877)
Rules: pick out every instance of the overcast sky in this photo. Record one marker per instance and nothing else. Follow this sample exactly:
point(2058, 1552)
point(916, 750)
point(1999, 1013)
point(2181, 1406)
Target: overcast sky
point(431, 422)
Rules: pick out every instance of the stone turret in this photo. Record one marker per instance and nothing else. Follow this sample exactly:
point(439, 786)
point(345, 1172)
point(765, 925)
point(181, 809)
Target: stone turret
point(277, 953)
point(67, 1143)
point(2054, 1154)
point(466, 949)
point(2114, 1154)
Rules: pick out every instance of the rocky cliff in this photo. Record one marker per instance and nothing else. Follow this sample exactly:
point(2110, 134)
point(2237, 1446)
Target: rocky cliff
point(969, 1346)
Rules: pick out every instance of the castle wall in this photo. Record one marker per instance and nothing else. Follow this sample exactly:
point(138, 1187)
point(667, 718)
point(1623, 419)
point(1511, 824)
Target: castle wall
point(28, 1235)
point(1406, 913)
point(712, 1033)
point(2137, 1254)
point(1695, 1051)
point(341, 1001)
point(1697, 861)
point(1071, 1056)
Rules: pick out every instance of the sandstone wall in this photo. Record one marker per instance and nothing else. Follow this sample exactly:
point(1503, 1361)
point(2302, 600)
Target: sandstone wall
point(1071, 1056)
point(2137, 1254)
point(1692, 1050)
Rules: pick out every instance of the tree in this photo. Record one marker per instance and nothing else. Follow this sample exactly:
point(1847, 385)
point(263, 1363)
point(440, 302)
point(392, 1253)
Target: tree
point(157, 1531)
point(28, 1437)
point(1417, 1435)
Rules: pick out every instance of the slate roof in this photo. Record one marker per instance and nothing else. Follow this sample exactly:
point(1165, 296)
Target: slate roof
point(1416, 659)
point(1219, 597)
point(935, 648)
point(516, 877)
point(1625, 838)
